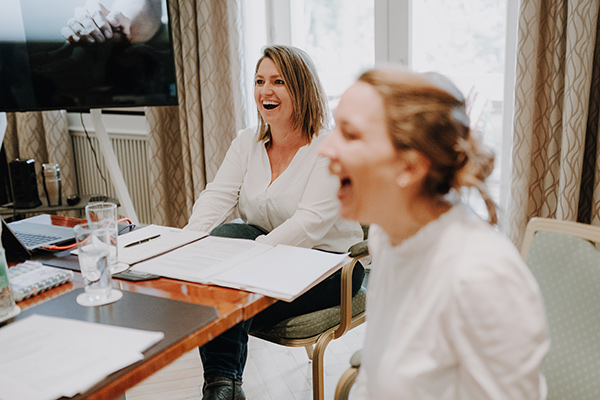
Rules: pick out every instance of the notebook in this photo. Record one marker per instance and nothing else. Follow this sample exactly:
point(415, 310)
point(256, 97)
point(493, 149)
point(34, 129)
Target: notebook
point(25, 236)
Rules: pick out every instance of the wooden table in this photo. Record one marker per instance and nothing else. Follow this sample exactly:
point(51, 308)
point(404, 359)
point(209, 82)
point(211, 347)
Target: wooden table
point(233, 307)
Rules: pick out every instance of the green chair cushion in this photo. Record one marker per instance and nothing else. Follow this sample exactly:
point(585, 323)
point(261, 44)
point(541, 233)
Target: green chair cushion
point(314, 323)
point(567, 269)
point(359, 249)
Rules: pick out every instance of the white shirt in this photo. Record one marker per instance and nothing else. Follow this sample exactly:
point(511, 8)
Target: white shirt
point(299, 208)
point(453, 313)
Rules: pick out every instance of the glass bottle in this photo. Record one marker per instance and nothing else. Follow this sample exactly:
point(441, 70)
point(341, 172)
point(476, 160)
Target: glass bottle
point(52, 184)
point(7, 301)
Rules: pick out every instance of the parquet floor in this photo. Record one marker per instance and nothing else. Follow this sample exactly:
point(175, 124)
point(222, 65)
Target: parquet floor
point(273, 372)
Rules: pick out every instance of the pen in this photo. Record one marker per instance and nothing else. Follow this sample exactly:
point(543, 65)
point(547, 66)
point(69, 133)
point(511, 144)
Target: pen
point(142, 241)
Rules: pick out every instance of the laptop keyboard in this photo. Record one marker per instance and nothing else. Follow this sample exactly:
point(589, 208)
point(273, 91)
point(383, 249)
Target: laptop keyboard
point(32, 240)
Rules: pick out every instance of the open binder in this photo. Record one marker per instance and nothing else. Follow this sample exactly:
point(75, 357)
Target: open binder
point(283, 272)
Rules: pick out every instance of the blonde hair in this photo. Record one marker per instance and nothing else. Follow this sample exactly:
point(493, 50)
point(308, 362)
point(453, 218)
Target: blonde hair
point(311, 112)
point(429, 116)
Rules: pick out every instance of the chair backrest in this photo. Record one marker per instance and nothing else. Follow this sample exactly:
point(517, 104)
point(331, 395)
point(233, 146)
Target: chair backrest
point(566, 264)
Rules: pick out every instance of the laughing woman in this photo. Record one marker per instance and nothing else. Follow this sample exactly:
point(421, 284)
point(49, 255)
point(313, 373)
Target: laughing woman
point(283, 192)
point(453, 311)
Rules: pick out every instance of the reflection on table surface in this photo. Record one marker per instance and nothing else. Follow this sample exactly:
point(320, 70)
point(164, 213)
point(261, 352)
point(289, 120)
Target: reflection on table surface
point(233, 306)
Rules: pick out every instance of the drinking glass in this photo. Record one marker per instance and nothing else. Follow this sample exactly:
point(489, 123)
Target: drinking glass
point(93, 244)
point(106, 214)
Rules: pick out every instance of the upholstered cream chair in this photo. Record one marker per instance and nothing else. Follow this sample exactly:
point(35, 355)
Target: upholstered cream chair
point(315, 330)
point(566, 263)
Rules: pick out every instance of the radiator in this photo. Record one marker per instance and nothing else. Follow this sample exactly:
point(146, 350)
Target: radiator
point(132, 153)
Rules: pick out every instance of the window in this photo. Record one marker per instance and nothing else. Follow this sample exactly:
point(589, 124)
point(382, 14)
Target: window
point(465, 40)
point(339, 36)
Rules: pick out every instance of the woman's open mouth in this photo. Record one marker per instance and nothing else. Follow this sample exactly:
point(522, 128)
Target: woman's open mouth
point(270, 105)
point(345, 187)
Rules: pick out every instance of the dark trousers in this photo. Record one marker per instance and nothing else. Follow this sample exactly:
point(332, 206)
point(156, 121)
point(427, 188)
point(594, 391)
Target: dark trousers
point(226, 354)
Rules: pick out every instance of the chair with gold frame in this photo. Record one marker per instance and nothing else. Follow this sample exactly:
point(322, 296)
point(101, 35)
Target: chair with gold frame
point(315, 330)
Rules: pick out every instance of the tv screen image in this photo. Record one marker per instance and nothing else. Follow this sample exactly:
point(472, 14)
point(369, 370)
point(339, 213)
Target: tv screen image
point(41, 70)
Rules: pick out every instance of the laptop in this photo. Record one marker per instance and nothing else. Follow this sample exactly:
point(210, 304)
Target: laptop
point(25, 236)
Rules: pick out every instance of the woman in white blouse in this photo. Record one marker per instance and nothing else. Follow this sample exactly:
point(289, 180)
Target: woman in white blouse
point(453, 312)
point(283, 192)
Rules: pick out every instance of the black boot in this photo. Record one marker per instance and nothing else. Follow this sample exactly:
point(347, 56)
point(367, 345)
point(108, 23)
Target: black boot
point(221, 388)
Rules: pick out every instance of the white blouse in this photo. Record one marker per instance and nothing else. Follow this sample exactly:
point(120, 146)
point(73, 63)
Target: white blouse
point(299, 208)
point(453, 313)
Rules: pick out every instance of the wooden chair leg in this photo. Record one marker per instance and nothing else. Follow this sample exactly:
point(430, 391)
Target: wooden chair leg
point(342, 390)
point(310, 351)
point(318, 368)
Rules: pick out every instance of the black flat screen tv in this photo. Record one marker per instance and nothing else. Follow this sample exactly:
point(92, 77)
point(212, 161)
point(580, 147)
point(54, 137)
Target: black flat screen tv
point(41, 70)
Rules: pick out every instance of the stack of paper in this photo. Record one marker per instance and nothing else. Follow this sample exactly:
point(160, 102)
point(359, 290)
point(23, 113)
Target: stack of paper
point(47, 357)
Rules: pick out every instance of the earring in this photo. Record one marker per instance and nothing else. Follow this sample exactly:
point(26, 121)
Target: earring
point(335, 168)
point(403, 181)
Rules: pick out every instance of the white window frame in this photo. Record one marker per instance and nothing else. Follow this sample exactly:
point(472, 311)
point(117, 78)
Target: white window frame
point(393, 27)
point(510, 64)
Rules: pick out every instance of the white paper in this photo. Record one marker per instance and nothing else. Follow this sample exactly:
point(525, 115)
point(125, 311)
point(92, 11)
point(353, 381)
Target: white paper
point(170, 238)
point(199, 261)
point(167, 240)
point(45, 357)
point(283, 272)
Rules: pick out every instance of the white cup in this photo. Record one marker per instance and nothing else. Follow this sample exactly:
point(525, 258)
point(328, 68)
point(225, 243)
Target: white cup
point(106, 215)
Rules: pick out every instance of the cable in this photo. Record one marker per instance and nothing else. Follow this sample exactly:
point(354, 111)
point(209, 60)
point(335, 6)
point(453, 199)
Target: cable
point(87, 135)
point(54, 247)
point(130, 225)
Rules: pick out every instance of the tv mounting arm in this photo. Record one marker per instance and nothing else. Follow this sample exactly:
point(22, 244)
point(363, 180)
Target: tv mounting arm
point(113, 166)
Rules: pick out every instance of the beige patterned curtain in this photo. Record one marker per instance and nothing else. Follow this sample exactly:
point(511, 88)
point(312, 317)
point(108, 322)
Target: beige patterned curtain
point(43, 136)
point(188, 142)
point(555, 156)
